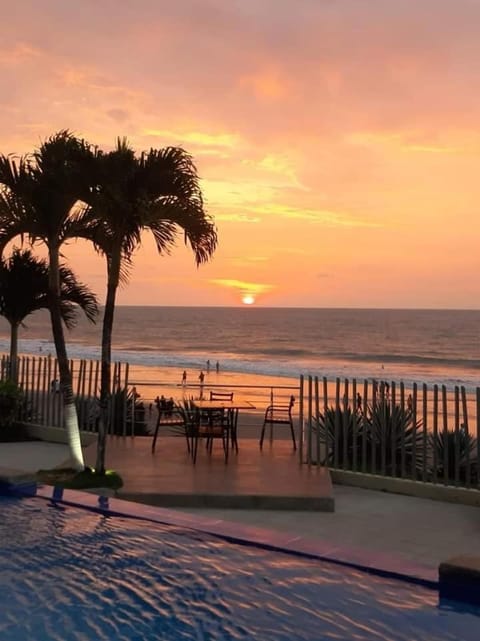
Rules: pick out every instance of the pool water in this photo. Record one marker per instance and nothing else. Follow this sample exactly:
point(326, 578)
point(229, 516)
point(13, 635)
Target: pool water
point(72, 574)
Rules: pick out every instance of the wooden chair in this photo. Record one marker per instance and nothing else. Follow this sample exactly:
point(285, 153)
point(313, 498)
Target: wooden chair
point(279, 414)
point(221, 396)
point(184, 420)
point(198, 424)
point(169, 416)
point(215, 426)
point(226, 416)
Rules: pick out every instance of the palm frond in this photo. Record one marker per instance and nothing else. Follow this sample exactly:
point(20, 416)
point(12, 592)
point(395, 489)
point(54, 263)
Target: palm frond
point(76, 294)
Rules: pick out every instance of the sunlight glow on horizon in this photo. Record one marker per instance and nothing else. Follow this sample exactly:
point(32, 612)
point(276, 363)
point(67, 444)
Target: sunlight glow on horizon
point(337, 145)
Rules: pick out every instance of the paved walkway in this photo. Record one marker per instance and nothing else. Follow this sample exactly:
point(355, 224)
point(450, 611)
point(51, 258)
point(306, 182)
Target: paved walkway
point(31, 456)
point(417, 530)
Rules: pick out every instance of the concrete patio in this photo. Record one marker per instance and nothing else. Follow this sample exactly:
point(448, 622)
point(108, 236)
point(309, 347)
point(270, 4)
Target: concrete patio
point(252, 479)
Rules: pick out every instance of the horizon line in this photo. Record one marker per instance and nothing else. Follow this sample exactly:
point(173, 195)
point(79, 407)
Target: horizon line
point(252, 307)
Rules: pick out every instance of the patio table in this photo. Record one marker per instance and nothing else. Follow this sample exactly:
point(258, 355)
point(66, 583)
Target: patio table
point(231, 407)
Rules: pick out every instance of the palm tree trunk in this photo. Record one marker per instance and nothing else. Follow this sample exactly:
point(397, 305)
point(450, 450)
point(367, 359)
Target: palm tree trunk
point(70, 411)
point(105, 378)
point(13, 351)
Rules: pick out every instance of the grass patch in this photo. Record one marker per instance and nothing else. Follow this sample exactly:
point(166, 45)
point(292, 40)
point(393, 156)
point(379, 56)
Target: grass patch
point(86, 479)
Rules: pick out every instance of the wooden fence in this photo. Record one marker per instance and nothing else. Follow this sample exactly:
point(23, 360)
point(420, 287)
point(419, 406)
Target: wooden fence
point(43, 403)
point(423, 433)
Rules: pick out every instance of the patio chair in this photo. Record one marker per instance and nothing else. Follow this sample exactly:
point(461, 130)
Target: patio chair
point(197, 425)
point(189, 415)
point(170, 416)
point(215, 426)
point(221, 396)
point(224, 416)
point(279, 414)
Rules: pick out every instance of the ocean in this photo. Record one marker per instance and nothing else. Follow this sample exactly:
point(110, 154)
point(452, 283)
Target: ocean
point(431, 346)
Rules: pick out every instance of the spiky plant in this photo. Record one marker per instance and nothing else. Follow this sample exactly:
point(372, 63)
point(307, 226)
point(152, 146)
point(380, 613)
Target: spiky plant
point(395, 439)
point(444, 447)
point(342, 431)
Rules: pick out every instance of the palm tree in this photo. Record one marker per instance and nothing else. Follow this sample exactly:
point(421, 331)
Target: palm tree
point(157, 191)
point(40, 199)
point(24, 290)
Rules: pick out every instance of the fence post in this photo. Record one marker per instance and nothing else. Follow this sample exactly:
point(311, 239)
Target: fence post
point(424, 432)
point(301, 417)
point(317, 420)
point(445, 435)
point(345, 425)
point(414, 433)
point(309, 422)
point(336, 429)
point(478, 435)
point(364, 434)
point(435, 432)
point(355, 425)
point(467, 435)
point(457, 435)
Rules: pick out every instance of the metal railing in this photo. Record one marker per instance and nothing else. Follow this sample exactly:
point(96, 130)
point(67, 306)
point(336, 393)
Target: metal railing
point(260, 396)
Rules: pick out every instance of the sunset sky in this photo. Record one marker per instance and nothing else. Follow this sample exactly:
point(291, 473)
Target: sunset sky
point(338, 141)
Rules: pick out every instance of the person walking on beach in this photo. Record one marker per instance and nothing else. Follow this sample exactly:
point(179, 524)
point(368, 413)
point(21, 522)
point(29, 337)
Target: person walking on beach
point(184, 378)
point(410, 403)
point(201, 378)
point(208, 366)
point(217, 367)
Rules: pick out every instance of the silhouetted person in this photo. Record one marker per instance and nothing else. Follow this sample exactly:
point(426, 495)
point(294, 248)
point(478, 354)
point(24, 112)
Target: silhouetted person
point(201, 378)
point(359, 401)
point(217, 367)
point(184, 377)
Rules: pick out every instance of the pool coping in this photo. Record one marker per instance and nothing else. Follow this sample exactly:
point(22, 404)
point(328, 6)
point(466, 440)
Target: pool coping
point(379, 564)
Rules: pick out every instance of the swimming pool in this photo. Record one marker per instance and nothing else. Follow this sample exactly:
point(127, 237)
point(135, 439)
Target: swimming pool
point(71, 574)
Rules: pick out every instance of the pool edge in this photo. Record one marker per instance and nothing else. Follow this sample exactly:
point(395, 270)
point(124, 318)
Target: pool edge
point(378, 564)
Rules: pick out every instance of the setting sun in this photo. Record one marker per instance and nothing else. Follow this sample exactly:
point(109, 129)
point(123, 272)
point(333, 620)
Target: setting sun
point(248, 300)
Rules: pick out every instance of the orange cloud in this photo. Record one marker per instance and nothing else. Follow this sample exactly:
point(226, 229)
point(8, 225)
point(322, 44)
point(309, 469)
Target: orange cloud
point(18, 54)
point(198, 138)
point(242, 287)
point(267, 84)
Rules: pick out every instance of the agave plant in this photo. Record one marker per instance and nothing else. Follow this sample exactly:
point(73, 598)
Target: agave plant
point(11, 398)
point(384, 439)
point(395, 441)
point(342, 432)
point(444, 446)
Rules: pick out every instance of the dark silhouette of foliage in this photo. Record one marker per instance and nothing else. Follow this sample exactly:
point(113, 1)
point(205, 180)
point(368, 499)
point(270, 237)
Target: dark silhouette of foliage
point(373, 441)
point(444, 446)
point(24, 289)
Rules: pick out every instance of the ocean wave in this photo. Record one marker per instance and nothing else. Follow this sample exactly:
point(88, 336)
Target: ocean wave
point(412, 358)
point(449, 372)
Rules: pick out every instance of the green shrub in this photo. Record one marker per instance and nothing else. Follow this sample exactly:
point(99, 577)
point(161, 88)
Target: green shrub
point(127, 408)
point(124, 411)
point(372, 441)
point(87, 478)
point(443, 447)
point(11, 398)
